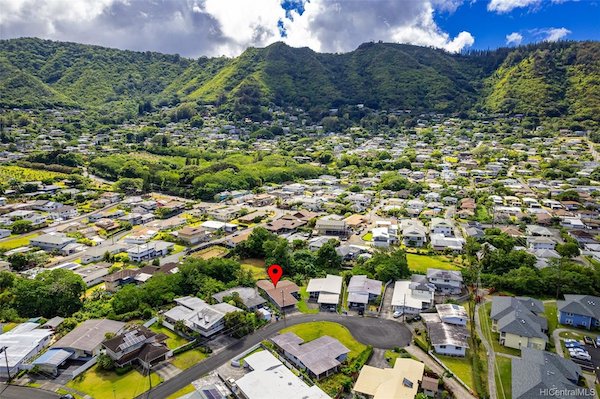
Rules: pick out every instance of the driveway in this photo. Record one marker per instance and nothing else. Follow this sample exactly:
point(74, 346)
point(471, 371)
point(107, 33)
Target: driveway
point(386, 308)
point(380, 333)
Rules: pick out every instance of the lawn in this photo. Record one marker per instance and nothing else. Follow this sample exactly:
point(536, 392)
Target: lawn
point(12, 172)
point(551, 315)
point(303, 302)
point(102, 384)
point(493, 337)
point(368, 236)
point(503, 377)
point(212, 252)
point(174, 340)
point(313, 330)
point(94, 288)
point(188, 359)
point(187, 389)
point(17, 241)
point(461, 367)
point(256, 267)
point(420, 263)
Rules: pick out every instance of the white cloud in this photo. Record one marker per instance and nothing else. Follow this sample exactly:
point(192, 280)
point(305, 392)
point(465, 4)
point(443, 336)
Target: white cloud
point(227, 27)
point(555, 34)
point(514, 38)
point(505, 6)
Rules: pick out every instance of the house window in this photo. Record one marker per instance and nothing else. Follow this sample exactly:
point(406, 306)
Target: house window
point(442, 346)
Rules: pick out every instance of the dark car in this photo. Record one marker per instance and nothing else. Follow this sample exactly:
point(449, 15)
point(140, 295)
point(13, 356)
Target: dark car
point(410, 319)
point(588, 340)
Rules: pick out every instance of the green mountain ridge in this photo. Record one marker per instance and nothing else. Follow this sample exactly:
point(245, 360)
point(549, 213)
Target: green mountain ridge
point(545, 79)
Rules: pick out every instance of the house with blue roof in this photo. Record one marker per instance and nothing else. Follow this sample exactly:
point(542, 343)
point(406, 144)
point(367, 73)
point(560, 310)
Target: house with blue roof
point(579, 311)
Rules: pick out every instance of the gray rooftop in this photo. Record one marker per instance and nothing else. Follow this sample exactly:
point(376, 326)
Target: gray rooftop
point(585, 305)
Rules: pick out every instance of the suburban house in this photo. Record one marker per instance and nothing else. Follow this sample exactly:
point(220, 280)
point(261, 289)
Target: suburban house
point(284, 296)
point(362, 290)
point(51, 241)
point(446, 338)
point(285, 224)
point(85, 340)
point(21, 344)
point(414, 233)
point(51, 360)
point(249, 297)
point(330, 227)
point(151, 250)
point(399, 382)
point(517, 321)
point(538, 372)
point(193, 235)
point(94, 254)
point(579, 311)
point(441, 226)
point(198, 315)
point(385, 236)
point(539, 242)
point(452, 314)
point(326, 291)
point(138, 345)
point(440, 242)
point(412, 297)
point(319, 357)
point(446, 281)
point(126, 276)
point(282, 382)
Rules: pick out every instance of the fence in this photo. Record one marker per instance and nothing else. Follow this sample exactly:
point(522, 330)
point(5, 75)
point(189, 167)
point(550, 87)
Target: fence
point(84, 367)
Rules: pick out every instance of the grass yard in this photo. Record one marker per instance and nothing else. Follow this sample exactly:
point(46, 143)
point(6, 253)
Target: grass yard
point(12, 172)
point(551, 315)
point(493, 337)
point(212, 252)
point(461, 367)
point(174, 340)
point(368, 237)
point(101, 384)
point(17, 241)
point(303, 302)
point(313, 330)
point(420, 263)
point(91, 290)
point(256, 267)
point(503, 377)
point(188, 359)
point(187, 389)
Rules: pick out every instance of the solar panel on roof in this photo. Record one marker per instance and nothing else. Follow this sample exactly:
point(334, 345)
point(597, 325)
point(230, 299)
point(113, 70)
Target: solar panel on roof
point(211, 393)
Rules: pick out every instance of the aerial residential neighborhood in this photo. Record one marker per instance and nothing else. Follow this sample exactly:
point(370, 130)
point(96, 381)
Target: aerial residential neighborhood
point(299, 199)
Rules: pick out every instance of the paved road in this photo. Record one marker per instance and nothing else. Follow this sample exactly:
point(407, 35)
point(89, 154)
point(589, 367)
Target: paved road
point(17, 392)
point(380, 333)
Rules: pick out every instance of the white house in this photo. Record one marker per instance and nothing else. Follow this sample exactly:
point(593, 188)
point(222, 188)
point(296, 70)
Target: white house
point(445, 281)
point(452, 314)
point(198, 315)
point(535, 243)
point(440, 242)
point(414, 233)
point(326, 291)
point(151, 250)
point(412, 297)
point(441, 226)
point(362, 290)
point(21, 344)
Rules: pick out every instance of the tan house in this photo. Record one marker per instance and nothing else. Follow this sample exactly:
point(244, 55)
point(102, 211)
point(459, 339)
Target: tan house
point(193, 235)
point(400, 382)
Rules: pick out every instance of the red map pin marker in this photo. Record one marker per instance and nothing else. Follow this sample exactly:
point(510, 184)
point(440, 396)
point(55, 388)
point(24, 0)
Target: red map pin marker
point(275, 272)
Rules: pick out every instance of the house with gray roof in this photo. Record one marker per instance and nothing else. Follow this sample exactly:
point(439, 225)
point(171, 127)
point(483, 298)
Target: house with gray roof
point(249, 297)
point(539, 373)
point(362, 290)
point(579, 311)
point(198, 315)
point(517, 321)
point(85, 340)
point(446, 281)
point(320, 357)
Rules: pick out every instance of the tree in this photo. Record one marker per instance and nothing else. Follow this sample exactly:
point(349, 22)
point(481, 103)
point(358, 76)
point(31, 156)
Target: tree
point(388, 266)
point(327, 257)
point(21, 226)
point(127, 299)
point(240, 323)
point(105, 362)
point(568, 250)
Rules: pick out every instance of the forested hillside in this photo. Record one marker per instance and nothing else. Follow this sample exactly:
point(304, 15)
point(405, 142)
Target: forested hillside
point(547, 79)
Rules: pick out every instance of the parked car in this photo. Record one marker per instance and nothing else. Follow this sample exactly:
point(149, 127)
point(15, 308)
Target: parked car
point(397, 314)
point(582, 356)
point(598, 340)
point(413, 318)
point(573, 344)
point(588, 340)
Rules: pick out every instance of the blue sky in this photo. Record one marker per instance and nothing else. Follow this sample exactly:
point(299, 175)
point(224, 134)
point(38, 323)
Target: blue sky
point(196, 28)
point(581, 18)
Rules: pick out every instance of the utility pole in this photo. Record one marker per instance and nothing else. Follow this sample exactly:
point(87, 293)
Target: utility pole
point(3, 349)
point(283, 308)
point(404, 310)
point(149, 377)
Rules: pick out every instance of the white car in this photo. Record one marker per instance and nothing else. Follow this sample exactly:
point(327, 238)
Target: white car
point(582, 356)
point(397, 314)
point(573, 351)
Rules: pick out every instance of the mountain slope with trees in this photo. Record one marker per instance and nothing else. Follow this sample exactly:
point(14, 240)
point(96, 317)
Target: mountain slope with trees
point(545, 79)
